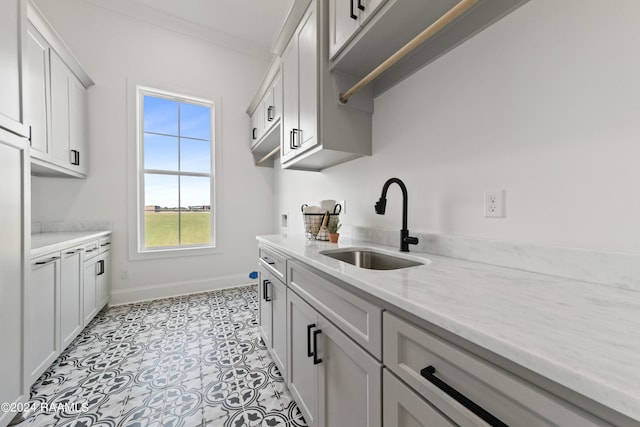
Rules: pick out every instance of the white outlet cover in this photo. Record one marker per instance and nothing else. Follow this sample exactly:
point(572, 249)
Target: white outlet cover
point(494, 204)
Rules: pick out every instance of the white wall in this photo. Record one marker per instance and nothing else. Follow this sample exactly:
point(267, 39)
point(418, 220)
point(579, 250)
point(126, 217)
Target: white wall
point(113, 48)
point(544, 104)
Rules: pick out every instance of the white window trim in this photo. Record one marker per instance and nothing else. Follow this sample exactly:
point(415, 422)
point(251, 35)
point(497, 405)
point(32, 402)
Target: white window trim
point(136, 202)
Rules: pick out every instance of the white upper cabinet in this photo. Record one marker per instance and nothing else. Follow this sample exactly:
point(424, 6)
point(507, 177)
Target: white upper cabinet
point(364, 33)
point(318, 132)
point(346, 18)
point(55, 105)
point(12, 25)
point(266, 131)
point(37, 93)
point(301, 88)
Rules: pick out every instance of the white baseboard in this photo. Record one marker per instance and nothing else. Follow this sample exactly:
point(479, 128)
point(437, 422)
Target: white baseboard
point(166, 290)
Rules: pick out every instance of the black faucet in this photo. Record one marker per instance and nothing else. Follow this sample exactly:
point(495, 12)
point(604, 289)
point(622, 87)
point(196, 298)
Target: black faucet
point(381, 206)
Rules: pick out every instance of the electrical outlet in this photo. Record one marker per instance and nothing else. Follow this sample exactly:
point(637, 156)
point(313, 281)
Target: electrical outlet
point(343, 203)
point(494, 206)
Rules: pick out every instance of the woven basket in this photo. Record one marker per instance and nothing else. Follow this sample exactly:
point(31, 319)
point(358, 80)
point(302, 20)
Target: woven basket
point(313, 221)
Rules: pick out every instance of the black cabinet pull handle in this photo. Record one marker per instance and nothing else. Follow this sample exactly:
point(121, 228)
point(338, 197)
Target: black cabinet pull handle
point(360, 5)
point(264, 290)
point(291, 140)
point(75, 157)
point(309, 328)
point(316, 359)
point(101, 269)
point(266, 259)
point(253, 133)
point(295, 133)
point(429, 374)
point(50, 260)
point(270, 113)
point(353, 15)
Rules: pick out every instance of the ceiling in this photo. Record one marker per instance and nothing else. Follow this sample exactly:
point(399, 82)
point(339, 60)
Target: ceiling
point(251, 26)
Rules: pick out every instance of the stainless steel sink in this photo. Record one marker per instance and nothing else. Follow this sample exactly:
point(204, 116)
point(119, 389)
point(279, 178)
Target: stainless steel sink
point(373, 260)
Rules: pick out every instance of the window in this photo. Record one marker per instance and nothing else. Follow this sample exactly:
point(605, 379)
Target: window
point(176, 176)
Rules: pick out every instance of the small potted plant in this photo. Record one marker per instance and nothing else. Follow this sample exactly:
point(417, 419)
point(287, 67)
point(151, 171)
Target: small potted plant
point(333, 227)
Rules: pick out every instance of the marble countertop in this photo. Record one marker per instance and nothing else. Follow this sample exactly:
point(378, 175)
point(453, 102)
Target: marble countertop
point(583, 336)
point(43, 243)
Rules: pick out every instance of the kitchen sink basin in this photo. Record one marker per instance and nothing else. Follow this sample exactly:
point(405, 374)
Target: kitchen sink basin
point(371, 259)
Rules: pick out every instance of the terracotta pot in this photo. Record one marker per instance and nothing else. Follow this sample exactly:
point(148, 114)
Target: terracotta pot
point(333, 237)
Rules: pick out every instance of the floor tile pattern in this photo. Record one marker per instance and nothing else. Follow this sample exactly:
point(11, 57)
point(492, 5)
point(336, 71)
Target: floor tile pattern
point(194, 360)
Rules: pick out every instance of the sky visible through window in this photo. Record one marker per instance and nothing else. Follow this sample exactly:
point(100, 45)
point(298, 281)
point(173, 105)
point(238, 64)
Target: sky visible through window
point(176, 138)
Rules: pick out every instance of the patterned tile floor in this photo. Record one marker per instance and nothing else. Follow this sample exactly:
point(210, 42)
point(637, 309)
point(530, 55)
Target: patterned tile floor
point(195, 360)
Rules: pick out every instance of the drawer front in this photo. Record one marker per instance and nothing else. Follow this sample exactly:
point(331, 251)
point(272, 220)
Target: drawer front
point(91, 249)
point(402, 407)
point(358, 318)
point(409, 349)
point(105, 244)
point(274, 262)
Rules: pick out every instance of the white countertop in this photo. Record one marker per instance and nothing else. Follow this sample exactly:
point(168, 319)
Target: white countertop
point(44, 243)
point(583, 336)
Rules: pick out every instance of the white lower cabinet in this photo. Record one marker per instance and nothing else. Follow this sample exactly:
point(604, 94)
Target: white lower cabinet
point(42, 311)
point(103, 280)
point(14, 266)
point(334, 381)
point(467, 389)
point(273, 318)
point(71, 321)
point(402, 407)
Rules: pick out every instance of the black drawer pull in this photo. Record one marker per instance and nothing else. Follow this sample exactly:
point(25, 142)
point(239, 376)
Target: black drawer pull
point(429, 374)
point(351, 14)
point(264, 290)
point(47, 261)
point(360, 5)
point(270, 113)
point(316, 359)
point(266, 259)
point(309, 328)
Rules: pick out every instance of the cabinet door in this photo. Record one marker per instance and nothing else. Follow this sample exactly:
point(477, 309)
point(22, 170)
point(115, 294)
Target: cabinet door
point(303, 375)
point(290, 98)
point(42, 303)
point(11, 19)
point(268, 108)
point(70, 296)
point(103, 280)
point(402, 407)
point(308, 81)
point(279, 326)
point(59, 111)
point(37, 93)
point(350, 381)
point(89, 285)
point(343, 23)
point(256, 117)
point(12, 217)
point(77, 125)
point(277, 98)
point(265, 292)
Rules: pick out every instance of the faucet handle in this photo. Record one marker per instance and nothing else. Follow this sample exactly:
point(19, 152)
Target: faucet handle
point(411, 240)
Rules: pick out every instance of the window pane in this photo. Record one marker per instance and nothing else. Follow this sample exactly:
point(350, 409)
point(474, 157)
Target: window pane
point(160, 152)
point(160, 115)
point(195, 215)
point(195, 155)
point(161, 217)
point(195, 121)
